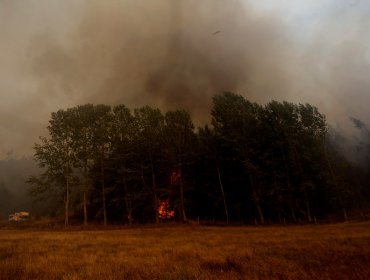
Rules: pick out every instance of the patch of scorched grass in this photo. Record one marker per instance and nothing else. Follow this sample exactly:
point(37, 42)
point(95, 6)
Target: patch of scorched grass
point(340, 251)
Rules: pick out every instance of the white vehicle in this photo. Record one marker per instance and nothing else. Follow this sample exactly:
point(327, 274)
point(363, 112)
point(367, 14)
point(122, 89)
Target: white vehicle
point(19, 216)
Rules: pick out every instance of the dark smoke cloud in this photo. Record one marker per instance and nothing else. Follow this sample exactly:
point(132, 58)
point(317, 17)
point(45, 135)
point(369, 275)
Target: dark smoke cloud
point(165, 53)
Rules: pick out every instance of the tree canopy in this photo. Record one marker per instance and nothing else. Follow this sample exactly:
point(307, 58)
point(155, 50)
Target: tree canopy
point(252, 163)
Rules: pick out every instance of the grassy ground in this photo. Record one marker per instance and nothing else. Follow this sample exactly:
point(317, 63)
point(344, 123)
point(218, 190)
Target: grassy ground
point(340, 251)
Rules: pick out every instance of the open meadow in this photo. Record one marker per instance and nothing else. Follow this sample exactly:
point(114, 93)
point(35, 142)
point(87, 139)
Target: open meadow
point(337, 251)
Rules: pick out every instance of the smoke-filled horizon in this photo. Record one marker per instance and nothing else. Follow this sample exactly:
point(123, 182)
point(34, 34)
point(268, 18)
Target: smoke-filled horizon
point(178, 54)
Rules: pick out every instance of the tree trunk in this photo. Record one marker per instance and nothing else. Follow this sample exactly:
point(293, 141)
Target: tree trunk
point(182, 199)
point(127, 197)
point(85, 194)
point(287, 174)
point(155, 205)
point(103, 196)
point(345, 214)
point(293, 214)
point(223, 194)
point(66, 218)
point(336, 184)
point(256, 199)
point(308, 209)
point(85, 208)
point(306, 198)
point(184, 219)
point(155, 198)
point(128, 208)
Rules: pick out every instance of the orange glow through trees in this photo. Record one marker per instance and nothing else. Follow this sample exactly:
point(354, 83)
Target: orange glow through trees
point(164, 211)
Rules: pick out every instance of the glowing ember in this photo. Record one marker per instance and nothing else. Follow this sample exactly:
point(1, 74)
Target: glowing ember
point(164, 211)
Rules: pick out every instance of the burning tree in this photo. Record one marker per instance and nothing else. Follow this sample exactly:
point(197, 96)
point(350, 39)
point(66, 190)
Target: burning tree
point(165, 211)
point(180, 140)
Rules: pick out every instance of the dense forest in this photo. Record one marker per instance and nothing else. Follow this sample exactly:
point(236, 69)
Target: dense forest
point(272, 163)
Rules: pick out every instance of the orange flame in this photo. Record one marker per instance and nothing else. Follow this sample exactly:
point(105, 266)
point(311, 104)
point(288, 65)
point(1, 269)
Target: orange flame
point(164, 211)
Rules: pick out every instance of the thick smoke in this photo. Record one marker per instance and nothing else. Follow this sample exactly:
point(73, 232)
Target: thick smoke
point(166, 53)
point(178, 54)
point(13, 188)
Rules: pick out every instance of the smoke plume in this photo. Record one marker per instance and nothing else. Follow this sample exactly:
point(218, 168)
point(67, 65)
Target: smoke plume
point(178, 54)
point(165, 53)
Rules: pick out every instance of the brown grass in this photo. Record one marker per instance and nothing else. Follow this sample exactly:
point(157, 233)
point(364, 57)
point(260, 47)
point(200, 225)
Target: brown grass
point(340, 251)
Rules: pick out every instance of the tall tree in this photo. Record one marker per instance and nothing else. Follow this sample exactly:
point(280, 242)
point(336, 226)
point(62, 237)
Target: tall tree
point(103, 147)
point(83, 145)
point(150, 125)
point(123, 138)
point(180, 140)
point(281, 121)
point(56, 157)
point(237, 122)
point(211, 145)
point(310, 135)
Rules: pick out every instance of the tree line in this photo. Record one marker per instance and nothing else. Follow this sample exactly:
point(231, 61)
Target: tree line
point(252, 163)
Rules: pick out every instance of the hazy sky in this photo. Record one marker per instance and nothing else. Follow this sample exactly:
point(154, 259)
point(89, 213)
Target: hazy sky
point(57, 54)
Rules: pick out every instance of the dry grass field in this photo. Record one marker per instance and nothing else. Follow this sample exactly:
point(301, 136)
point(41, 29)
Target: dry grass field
point(340, 251)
